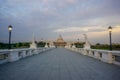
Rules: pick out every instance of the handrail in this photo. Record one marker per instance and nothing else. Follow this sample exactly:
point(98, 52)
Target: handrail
point(16, 54)
point(112, 57)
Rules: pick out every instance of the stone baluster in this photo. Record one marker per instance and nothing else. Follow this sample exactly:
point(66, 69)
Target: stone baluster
point(13, 56)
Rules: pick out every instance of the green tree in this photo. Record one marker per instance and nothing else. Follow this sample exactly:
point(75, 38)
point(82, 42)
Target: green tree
point(41, 44)
point(79, 44)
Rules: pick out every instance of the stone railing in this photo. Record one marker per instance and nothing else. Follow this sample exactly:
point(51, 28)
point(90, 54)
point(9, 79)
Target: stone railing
point(16, 54)
point(112, 57)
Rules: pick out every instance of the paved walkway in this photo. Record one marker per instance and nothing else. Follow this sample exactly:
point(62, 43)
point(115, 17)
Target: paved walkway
point(59, 64)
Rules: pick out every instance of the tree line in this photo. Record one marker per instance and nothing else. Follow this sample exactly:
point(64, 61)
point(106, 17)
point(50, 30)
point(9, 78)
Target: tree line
point(98, 46)
point(42, 44)
point(21, 45)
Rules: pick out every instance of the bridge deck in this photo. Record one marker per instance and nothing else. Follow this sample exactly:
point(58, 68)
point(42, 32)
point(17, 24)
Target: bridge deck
point(59, 64)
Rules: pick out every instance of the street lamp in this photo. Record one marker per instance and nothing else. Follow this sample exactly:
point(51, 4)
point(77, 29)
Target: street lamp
point(110, 31)
point(9, 29)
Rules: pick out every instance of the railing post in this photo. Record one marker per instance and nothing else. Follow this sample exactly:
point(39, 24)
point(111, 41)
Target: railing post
point(85, 52)
point(13, 56)
point(97, 55)
point(35, 51)
point(90, 53)
point(107, 57)
point(24, 53)
point(30, 52)
point(111, 58)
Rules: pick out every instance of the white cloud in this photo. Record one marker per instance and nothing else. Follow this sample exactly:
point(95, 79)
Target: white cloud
point(82, 29)
point(118, 26)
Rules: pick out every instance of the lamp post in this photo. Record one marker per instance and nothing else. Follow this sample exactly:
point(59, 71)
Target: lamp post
point(110, 32)
point(9, 29)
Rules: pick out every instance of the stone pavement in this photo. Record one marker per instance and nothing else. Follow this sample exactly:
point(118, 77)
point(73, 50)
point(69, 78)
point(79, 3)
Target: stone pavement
point(59, 64)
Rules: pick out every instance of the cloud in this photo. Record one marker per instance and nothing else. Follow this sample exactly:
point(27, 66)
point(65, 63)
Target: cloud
point(80, 29)
point(48, 18)
point(118, 26)
point(95, 34)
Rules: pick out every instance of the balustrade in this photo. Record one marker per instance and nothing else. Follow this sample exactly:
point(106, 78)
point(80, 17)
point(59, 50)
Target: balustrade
point(112, 57)
point(16, 54)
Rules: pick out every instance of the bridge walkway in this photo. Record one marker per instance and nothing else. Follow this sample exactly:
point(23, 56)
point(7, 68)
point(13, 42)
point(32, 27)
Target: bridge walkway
point(59, 64)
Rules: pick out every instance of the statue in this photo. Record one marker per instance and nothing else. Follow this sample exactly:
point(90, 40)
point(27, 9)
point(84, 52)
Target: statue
point(73, 45)
point(87, 44)
point(33, 45)
point(46, 45)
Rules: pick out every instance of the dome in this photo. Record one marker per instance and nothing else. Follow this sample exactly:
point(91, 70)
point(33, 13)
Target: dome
point(60, 39)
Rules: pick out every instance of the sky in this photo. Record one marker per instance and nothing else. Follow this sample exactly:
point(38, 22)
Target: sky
point(47, 19)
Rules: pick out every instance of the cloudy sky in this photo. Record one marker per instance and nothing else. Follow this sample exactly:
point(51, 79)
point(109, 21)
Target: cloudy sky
point(70, 18)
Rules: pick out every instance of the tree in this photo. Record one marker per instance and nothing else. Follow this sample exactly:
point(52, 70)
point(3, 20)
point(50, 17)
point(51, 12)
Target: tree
point(41, 44)
point(79, 44)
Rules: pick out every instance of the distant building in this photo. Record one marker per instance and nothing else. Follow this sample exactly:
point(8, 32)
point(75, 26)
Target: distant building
point(60, 42)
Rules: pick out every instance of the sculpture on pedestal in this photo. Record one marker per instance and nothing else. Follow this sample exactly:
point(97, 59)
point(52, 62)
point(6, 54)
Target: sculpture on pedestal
point(87, 44)
point(73, 45)
point(33, 44)
point(46, 45)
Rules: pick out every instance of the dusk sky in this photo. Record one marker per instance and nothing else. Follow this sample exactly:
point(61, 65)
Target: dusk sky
point(70, 18)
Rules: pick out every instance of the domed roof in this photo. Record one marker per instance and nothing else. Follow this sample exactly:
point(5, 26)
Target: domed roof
point(60, 39)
